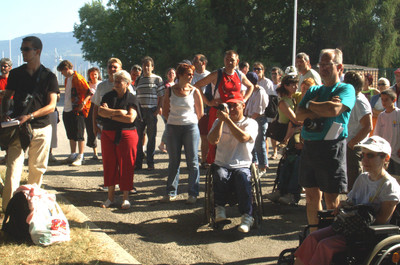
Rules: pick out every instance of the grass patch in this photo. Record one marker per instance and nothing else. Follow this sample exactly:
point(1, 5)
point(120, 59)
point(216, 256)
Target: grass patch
point(83, 248)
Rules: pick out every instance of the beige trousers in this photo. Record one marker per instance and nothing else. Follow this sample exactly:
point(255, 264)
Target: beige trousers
point(38, 155)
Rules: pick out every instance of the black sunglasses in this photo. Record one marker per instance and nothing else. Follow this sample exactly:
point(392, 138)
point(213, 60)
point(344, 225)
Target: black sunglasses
point(257, 69)
point(26, 49)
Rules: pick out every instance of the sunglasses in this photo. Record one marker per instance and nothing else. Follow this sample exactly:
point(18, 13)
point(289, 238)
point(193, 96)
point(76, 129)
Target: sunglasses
point(137, 69)
point(257, 69)
point(26, 49)
point(371, 155)
point(381, 84)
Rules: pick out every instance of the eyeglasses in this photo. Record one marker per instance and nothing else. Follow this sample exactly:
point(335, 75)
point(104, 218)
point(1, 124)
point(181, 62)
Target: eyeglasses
point(273, 73)
point(5, 66)
point(321, 65)
point(137, 69)
point(27, 49)
point(257, 69)
point(370, 155)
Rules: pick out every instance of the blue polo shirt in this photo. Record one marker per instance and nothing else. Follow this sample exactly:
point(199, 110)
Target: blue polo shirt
point(323, 93)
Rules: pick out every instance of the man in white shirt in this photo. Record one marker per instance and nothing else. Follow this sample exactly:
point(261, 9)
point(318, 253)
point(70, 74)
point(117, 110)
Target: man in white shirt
point(234, 134)
point(200, 63)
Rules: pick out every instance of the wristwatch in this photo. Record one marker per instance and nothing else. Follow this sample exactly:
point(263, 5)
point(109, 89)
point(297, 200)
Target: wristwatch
point(32, 117)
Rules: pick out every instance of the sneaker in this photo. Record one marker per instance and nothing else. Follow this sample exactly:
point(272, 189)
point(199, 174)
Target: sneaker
point(287, 199)
point(78, 161)
point(95, 157)
point(126, 205)
point(133, 191)
point(168, 198)
point(220, 214)
point(106, 204)
point(191, 200)
point(52, 158)
point(274, 196)
point(247, 222)
point(71, 158)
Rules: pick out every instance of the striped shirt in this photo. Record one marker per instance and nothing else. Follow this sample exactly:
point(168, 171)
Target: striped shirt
point(148, 89)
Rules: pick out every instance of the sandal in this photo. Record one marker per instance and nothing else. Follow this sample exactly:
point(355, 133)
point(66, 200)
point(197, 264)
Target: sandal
point(106, 204)
point(126, 205)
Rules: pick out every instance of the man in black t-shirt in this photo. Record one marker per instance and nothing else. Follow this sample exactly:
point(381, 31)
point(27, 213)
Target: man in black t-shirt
point(34, 89)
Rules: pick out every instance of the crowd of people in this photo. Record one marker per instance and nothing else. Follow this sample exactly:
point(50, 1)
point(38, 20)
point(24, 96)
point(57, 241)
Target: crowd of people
point(322, 121)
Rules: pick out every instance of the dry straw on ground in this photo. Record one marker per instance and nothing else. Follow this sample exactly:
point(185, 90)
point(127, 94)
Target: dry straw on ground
point(84, 247)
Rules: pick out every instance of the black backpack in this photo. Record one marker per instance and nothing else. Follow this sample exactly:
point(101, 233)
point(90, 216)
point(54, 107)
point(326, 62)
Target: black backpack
point(272, 109)
point(14, 224)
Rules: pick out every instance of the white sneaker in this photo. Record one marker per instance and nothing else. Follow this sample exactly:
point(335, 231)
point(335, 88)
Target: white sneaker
point(274, 196)
point(71, 157)
point(247, 222)
point(220, 214)
point(287, 199)
point(78, 161)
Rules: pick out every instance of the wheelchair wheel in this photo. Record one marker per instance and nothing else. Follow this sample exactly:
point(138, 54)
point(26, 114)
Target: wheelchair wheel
point(384, 251)
point(257, 196)
point(209, 208)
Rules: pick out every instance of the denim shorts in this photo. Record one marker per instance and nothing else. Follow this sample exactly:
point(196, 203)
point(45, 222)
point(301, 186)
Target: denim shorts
point(323, 166)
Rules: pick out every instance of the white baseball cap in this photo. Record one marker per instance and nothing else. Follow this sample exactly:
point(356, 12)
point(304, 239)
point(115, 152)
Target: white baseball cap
point(376, 144)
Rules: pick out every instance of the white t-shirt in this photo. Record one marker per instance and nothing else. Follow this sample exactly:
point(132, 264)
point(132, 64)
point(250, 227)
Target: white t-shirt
point(361, 108)
point(268, 85)
point(310, 74)
point(230, 152)
point(388, 127)
point(67, 95)
point(103, 88)
point(257, 102)
point(198, 77)
point(364, 189)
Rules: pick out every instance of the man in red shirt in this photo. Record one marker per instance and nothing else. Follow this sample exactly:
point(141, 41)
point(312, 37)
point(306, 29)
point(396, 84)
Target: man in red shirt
point(6, 66)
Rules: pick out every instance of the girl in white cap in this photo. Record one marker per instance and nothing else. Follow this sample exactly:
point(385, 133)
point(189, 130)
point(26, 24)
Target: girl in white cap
point(373, 187)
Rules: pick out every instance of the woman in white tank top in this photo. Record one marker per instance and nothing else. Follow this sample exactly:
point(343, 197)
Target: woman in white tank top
point(183, 107)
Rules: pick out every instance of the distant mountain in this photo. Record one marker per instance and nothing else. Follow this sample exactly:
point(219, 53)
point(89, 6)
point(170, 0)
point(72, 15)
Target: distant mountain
point(56, 46)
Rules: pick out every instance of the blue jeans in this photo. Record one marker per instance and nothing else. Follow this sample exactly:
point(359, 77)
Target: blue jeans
point(149, 120)
point(260, 150)
point(237, 180)
point(189, 137)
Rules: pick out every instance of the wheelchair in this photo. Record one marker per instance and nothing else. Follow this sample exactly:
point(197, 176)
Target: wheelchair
point(380, 245)
point(257, 203)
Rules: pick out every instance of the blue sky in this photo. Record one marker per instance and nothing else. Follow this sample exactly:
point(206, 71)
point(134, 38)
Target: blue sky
point(23, 17)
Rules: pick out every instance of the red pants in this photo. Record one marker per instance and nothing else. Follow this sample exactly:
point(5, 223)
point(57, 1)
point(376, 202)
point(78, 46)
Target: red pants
point(119, 160)
point(320, 246)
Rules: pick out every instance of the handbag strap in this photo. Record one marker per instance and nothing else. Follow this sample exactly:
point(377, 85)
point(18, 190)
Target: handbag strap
point(378, 191)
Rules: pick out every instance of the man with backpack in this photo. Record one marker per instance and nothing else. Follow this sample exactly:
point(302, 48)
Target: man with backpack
point(34, 89)
point(228, 82)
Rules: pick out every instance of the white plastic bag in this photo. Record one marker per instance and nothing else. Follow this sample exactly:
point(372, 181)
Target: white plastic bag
point(48, 224)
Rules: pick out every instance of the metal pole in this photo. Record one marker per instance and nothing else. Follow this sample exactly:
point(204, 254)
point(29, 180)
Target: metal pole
point(294, 33)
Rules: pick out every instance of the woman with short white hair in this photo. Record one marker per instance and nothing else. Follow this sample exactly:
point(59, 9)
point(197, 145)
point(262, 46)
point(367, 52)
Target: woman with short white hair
point(119, 110)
